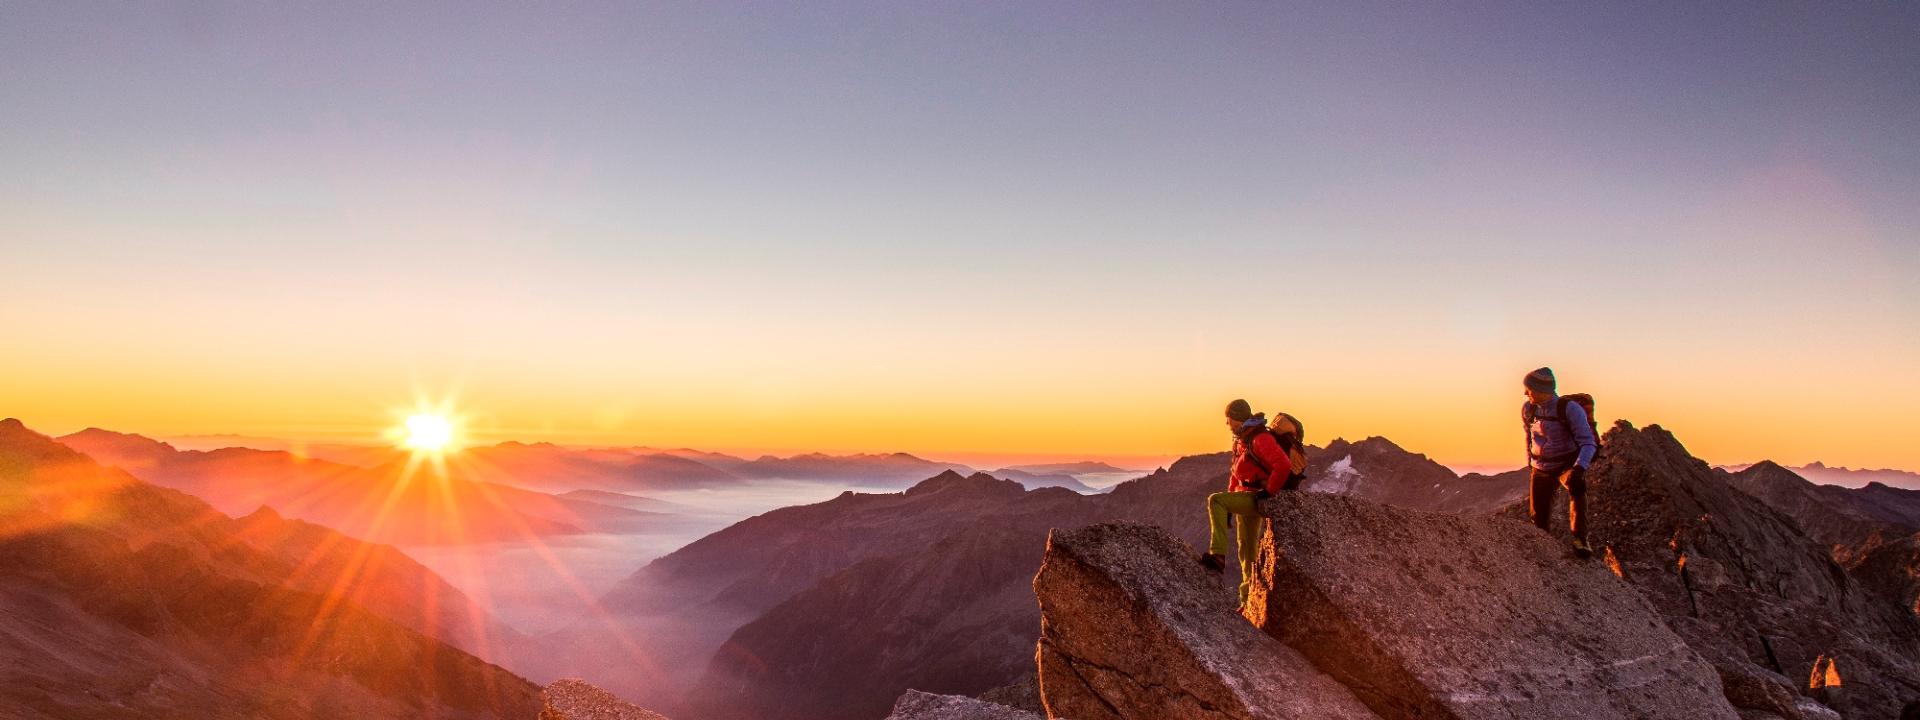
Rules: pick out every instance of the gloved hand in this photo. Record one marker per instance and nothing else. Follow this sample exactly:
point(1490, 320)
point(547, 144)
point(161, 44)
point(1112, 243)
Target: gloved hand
point(1577, 479)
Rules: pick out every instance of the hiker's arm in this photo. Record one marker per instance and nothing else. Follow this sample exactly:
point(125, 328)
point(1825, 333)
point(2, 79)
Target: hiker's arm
point(1582, 433)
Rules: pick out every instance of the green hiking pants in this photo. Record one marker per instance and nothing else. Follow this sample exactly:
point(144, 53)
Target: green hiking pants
point(1249, 528)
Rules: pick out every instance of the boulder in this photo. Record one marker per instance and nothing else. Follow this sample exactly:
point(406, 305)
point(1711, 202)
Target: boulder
point(916, 705)
point(1451, 616)
point(1132, 627)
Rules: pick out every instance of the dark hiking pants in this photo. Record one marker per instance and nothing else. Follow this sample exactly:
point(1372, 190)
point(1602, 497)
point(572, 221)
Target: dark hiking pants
point(1540, 498)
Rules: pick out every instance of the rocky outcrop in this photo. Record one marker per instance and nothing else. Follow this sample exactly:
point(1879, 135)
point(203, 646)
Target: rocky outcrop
point(1132, 628)
point(1741, 582)
point(576, 699)
point(916, 705)
point(1451, 616)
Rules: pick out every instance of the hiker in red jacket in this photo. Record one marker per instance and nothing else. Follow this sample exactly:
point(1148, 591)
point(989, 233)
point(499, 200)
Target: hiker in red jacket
point(1261, 467)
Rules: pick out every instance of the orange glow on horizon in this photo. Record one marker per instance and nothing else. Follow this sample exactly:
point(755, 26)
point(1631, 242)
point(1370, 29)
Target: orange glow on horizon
point(1455, 410)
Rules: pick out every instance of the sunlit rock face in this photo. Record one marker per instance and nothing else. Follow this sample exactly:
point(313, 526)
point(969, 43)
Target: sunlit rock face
point(1744, 584)
point(1131, 627)
point(1442, 615)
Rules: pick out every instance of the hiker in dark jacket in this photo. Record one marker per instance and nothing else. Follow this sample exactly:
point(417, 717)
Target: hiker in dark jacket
point(1261, 467)
point(1560, 446)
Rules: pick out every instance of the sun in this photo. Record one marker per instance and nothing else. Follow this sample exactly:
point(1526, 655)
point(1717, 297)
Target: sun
point(428, 432)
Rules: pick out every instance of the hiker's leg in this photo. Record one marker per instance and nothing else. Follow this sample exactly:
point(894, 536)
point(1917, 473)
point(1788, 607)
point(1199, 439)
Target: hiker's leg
point(1576, 484)
point(1540, 498)
point(1217, 523)
point(1252, 526)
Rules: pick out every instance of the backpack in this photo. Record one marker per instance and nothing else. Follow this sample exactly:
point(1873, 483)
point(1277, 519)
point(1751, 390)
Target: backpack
point(1286, 430)
point(1560, 413)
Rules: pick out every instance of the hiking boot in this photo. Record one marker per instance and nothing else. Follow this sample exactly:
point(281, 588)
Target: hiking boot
point(1581, 549)
point(1215, 564)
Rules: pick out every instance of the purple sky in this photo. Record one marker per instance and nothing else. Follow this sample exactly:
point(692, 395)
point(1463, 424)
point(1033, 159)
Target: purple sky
point(1683, 200)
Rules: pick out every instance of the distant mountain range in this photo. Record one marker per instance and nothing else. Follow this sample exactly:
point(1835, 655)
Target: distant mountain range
point(1072, 468)
point(1849, 521)
point(888, 470)
point(559, 469)
point(552, 468)
point(391, 503)
point(124, 599)
point(1035, 481)
point(1822, 474)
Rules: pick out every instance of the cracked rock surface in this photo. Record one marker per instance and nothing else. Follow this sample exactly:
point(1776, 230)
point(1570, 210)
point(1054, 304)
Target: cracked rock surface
point(1132, 627)
point(1452, 616)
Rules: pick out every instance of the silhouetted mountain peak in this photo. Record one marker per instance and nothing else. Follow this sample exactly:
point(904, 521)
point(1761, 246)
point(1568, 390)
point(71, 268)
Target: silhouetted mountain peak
point(120, 437)
point(1770, 473)
point(1208, 463)
point(264, 514)
point(19, 441)
point(1376, 443)
point(951, 481)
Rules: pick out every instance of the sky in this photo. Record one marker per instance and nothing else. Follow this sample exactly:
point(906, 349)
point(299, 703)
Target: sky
point(1024, 229)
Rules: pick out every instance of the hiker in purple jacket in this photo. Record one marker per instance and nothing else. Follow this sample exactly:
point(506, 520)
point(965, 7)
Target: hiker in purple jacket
point(1560, 446)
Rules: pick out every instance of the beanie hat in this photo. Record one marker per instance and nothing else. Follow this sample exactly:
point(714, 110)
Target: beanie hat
point(1541, 380)
point(1239, 411)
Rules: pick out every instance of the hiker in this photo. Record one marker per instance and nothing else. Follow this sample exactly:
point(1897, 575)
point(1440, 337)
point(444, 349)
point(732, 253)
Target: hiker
point(1266, 460)
point(1561, 443)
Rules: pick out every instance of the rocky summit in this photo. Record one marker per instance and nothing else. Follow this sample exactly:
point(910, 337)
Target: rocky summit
point(1704, 603)
point(1132, 628)
point(1455, 616)
point(1744, 584)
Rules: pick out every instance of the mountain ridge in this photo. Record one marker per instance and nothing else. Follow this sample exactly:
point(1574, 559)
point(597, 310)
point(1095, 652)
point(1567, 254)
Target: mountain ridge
point(128, 598)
